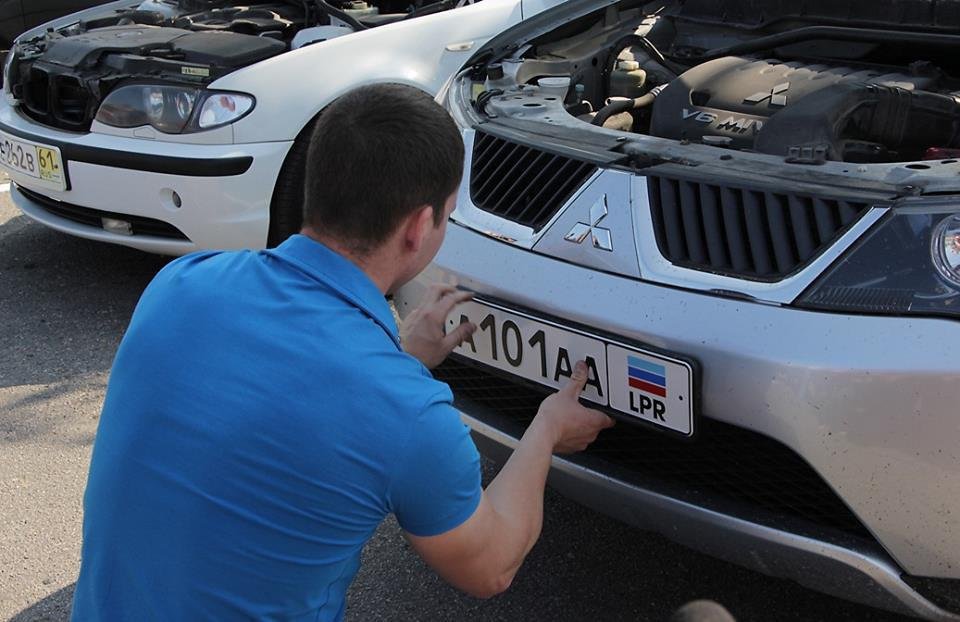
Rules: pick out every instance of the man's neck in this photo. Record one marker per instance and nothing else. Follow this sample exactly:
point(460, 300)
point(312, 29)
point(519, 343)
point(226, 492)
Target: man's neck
point(375, 265)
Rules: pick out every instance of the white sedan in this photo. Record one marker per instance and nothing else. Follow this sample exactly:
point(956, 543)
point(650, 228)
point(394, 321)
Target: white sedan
point(177, 125)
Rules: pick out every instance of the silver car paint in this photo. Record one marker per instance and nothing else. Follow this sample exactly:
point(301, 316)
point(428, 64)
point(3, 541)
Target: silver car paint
point(871, 403)
point(613, 190)
point(845, 569)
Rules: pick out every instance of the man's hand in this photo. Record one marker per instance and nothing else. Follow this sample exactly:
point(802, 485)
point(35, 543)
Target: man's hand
point(422, 334)
point(572, 426)
point(483, 554)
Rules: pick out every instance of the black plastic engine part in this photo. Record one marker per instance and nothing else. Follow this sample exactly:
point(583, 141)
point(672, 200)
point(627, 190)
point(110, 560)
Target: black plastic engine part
point(202, 5)
point(256, 20)
point(754, 14)
point(85, 49)
point(227, 50)
point(831, 33)
point(864, 122)
point(731, 99)
point(144, 18)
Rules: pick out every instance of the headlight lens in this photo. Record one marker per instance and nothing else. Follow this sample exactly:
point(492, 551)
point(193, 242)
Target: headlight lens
point(172, 109)
point(222, 108)
point(457, 101)
point(946, 249)
point(908, 264)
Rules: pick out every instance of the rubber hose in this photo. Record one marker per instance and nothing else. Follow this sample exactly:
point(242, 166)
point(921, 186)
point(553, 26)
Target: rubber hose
point(624, 105)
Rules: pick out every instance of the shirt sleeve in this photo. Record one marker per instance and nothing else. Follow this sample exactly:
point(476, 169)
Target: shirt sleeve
point(437, 484)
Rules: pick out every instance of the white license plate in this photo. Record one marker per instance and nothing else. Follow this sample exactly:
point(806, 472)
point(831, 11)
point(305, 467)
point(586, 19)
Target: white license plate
point(41, 162)
point(636, 382)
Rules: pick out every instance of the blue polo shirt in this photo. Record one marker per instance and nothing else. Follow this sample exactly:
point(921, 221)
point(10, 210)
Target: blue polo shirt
point(260, 421)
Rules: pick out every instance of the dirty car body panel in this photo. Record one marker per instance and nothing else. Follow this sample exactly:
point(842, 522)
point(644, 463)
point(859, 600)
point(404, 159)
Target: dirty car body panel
point(665, 184)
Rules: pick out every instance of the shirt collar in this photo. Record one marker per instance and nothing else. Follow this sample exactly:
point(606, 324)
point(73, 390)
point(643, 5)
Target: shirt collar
point(341, 275)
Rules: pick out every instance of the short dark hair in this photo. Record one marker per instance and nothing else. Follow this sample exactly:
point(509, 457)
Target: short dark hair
point(376, 154)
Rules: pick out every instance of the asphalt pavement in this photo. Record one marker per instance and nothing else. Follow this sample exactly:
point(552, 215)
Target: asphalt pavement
point(64, 304)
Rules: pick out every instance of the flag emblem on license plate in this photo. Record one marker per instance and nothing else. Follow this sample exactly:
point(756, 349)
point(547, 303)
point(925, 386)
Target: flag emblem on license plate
point(646, 376)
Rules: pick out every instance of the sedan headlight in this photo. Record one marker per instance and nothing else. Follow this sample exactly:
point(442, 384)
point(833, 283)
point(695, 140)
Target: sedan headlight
point(908, 264)
point(172, 109)
point(7, 66)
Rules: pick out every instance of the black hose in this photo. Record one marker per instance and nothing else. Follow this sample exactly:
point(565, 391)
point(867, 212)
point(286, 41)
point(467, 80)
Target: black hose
point(658, 56)
point(484, 98)
point(329, 9)
point(836, 33)
point(616, 106)
point(624, 104)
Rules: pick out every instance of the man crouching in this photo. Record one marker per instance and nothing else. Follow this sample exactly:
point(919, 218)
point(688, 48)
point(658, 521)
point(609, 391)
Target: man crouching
point(263, 417)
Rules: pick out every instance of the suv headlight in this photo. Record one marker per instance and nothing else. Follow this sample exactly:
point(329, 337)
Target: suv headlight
point(172, 109)
point(909, 263)
point(457, 101)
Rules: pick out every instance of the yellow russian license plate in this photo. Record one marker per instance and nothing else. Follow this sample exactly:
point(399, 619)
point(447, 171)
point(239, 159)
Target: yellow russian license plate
point(41, 162)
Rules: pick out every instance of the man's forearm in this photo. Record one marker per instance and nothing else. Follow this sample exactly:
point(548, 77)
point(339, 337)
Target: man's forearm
point(516, 493)
point(483, 555)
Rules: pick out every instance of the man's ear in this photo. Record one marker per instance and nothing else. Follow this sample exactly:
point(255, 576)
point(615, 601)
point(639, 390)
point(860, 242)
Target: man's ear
point(416, 227)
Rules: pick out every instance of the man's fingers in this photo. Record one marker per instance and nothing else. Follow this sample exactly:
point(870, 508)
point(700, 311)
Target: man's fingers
point(577, 381)
point(435, 292)
point(456, 336)
point(450, 300)
point(600, 420)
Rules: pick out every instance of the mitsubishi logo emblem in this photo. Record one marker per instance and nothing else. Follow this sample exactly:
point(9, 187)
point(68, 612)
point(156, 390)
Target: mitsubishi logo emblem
point(774, 95)
point(600, 235)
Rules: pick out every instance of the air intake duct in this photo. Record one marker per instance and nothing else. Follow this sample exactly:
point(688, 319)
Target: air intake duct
point(858, 122)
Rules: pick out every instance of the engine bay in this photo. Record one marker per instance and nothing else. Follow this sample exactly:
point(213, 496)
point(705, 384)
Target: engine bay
point(60, 77)
point(803, 89)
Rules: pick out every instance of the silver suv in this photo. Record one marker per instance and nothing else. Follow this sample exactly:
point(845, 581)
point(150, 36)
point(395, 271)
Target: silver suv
point(747, 223)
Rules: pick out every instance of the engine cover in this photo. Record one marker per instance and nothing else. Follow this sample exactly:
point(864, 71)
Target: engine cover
point(225, 49)
point(726, 101)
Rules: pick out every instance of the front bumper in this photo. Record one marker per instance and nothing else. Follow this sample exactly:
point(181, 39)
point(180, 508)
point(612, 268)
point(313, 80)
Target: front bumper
point(869, 403)
point(850, 570)
point(212, 196)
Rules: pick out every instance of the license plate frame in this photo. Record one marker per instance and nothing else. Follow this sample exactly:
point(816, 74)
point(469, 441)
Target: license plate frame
point(512, 332)
point(17, 155)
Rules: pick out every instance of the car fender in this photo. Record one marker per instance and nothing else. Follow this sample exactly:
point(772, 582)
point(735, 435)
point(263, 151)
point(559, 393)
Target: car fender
point(532, 7)
point(292, 88)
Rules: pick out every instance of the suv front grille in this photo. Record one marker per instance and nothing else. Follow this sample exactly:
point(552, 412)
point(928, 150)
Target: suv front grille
point(741, 232)
point(520, 183)
point(726, 468)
